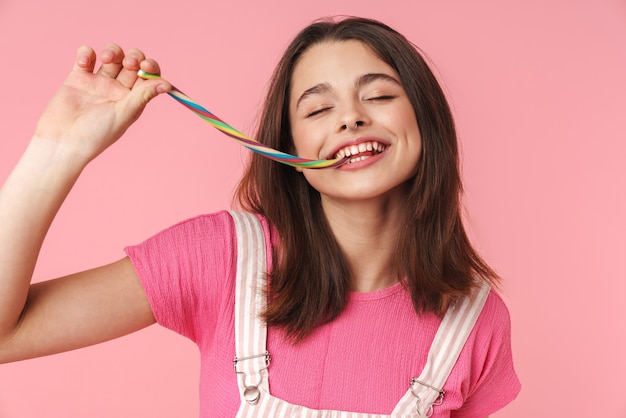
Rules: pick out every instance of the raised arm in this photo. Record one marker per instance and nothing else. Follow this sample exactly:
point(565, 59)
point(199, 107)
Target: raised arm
point(89, 112)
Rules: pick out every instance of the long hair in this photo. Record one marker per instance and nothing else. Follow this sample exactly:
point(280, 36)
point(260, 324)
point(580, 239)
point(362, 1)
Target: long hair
point(309, 281)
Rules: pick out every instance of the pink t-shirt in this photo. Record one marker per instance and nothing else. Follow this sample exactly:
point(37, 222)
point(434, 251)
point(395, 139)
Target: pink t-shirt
point(363, 361)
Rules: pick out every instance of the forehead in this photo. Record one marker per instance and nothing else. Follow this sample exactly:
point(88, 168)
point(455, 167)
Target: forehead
point(336, 62)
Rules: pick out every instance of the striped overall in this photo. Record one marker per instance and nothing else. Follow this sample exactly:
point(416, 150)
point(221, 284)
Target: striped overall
point(252, 359)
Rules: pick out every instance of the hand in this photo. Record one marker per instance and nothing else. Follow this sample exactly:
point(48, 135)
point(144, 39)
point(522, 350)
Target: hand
point(92, 110)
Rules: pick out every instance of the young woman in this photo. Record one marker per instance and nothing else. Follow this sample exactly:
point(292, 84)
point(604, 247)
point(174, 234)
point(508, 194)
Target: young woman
point(339, 289)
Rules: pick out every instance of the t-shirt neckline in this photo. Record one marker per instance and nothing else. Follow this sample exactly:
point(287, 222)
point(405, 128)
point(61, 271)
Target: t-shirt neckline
point(377, 294)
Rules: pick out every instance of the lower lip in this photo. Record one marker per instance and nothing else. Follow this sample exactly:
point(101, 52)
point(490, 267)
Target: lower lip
point(363, 163)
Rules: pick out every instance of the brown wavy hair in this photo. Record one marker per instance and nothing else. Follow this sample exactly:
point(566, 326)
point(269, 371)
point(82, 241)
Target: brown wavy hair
point(310, 278)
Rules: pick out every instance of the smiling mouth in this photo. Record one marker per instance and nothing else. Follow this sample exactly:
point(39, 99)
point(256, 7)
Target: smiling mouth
point(360, 152)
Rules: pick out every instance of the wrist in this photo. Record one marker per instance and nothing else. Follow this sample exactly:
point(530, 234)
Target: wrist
point(53, 155)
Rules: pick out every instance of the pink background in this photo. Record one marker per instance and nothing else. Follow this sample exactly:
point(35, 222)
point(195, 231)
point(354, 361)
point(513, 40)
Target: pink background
point(539, 92)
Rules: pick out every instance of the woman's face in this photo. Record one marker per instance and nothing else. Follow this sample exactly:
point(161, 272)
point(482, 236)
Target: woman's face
point(346, 101)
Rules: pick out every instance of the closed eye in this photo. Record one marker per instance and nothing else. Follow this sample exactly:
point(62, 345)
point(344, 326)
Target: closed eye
point(317, 112)
point(382, 98)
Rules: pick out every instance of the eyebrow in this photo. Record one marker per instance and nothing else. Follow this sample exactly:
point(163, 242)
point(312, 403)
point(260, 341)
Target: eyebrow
point(322, 88)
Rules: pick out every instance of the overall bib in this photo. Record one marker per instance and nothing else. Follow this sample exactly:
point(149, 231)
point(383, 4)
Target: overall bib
point(252, 359)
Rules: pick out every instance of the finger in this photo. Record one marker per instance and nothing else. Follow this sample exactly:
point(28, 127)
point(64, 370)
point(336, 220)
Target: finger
point(130, 65)
point(85, 59)
point(150, 66)
point(135, 102)
point(111, 58)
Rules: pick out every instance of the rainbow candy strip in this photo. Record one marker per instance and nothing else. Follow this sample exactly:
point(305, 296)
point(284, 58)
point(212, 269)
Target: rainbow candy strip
point(244, 140)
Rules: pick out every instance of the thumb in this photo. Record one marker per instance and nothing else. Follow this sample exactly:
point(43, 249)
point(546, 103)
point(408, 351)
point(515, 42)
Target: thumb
point(141, 94)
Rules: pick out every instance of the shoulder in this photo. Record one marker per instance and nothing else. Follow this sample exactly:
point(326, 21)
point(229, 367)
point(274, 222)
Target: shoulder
point(205, 225)
point(269, 232)
point(206, 228)
point(235, 215)
point(487, 376)
point(494, 320)
point(203, 239)
point(491, 332)
point(188, 270)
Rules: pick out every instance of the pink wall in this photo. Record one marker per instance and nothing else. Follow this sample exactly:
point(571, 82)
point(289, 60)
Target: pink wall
point(539, 91)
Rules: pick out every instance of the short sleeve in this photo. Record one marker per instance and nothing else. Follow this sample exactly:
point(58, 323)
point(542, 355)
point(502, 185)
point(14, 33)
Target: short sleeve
point(184, 270)
point(490, 381)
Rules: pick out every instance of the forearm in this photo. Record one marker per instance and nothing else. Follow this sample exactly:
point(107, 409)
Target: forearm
point(29, 201)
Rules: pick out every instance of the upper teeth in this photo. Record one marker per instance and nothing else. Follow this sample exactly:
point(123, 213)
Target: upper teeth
point(362, 147)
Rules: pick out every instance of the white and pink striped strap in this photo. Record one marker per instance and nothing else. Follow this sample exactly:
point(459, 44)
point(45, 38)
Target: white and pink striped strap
point(427, 389)
point(251, 359)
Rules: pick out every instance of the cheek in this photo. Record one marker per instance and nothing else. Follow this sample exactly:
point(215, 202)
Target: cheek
point(408, 119)
point(296, 141)
point(415, 146)
point(305, 143)
point(299, 147)
point(412, 130)
point(297, 138)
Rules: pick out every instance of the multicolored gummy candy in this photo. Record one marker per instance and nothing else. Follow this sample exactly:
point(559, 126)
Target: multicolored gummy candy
point(243, 139)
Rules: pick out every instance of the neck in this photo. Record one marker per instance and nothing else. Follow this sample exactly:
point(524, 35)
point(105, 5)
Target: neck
point(367, 234)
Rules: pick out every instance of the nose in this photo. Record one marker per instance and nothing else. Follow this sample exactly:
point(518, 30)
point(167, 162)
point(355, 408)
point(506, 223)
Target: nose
point(352, 116)
point(352, 126)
